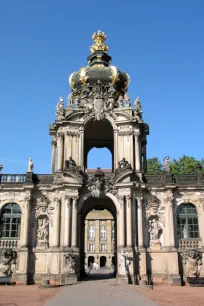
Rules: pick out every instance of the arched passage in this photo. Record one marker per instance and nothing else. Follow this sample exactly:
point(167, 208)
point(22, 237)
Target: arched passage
point(98, 134)
point(99, 157)
point(98, 217)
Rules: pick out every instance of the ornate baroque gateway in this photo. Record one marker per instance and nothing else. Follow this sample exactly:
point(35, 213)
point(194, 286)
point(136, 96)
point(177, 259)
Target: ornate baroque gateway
point(157, 220)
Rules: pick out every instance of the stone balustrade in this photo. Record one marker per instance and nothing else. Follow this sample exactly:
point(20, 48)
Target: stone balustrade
point(9, 244)
point(189, 243)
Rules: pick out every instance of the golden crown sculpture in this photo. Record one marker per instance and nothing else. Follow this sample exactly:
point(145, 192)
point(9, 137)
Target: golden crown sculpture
point(99, 38)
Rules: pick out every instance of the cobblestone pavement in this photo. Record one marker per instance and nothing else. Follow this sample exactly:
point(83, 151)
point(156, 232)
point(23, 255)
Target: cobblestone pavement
point(99, 293)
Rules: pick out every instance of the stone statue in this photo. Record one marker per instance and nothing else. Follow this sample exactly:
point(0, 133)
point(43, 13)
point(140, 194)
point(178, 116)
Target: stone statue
point(192, 262)
point(60, 111)
point(167, 164)
point(122, 166)
point(120, 101)
point(43, 232)
point(7, 262)
point(30, 165)
point(70, 100)
point(127, 100)
point(124, 262)
point(154, 230)
point(71, 166)
point(70, 261)
point(137, 110)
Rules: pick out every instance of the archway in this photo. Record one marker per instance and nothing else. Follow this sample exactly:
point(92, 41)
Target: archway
point(91, 260)
point(99, 157)
point(98, 134)
point(98, 217)
point(103, 261)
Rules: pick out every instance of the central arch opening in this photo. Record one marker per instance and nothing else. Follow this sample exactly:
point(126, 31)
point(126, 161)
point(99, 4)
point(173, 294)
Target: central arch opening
point(98, 239)
point(97, 135)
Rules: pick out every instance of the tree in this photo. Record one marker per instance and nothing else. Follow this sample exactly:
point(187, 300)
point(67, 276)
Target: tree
point(185, 165)
point(154, 166)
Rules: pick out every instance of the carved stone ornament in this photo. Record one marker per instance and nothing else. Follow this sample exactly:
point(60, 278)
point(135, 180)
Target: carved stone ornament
point(98, 185)
point(60, 111)
point(70, 262)
point(192, 262)
point(8, 259)
point(153, 206)
point(99, 100)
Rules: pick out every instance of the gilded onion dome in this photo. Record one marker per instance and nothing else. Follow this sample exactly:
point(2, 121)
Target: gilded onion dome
point(99, 69)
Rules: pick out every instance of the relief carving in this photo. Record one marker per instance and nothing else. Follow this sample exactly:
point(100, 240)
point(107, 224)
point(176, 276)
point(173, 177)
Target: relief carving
point(8, 259)
point(192, 262)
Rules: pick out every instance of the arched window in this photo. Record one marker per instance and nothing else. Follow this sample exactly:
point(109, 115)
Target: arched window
point(91, 232)
point(10, 221)
point(103, 232)
point(187, 222)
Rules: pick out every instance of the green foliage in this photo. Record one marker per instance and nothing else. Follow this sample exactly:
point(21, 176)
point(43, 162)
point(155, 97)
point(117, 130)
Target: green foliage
point(183, 165)
point(154, 166)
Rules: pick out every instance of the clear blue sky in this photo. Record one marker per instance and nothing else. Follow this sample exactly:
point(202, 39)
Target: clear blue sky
point(160, 44)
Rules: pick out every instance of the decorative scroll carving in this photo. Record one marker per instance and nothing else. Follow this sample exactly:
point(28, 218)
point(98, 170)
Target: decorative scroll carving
point(125, 131)
point(70, 262)
point(7, 262)
point(99, 185)
point(192, 262)
point(98, 99)
point(60, 111)
point(73, 132)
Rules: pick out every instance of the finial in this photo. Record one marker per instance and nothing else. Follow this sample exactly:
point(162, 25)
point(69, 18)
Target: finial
point(99, 38)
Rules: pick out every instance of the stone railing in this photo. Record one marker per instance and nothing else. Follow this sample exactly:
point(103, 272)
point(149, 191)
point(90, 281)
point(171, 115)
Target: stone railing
point(177, 180)
point(189, 243)
point(12, 178)
point(9, 244)
point(43, 178)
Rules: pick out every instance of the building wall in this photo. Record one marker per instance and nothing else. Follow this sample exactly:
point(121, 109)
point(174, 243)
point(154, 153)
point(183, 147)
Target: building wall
point(97, 219)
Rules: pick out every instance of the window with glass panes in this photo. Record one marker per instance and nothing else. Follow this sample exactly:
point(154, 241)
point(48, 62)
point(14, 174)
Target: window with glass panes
point(103, 232)
point(91, 232)
point(187, 222)
point(10, 221)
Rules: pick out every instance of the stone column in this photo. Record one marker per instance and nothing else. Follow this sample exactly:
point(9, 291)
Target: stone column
point(109, 236)
point(67, 222)
point(144, 153)
point(129, 220)
point(54, 143)
point(137, 151)
point(140, 221)
point(86, 237)
point(122, 223)
point(56, 239)
point(97, 236)
point(26, 222)
point(81, 148)
point(60, 147)
point(170, 219)
point(115, 155)
point(74, 222)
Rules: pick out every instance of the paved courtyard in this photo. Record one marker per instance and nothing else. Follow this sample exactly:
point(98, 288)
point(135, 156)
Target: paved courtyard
point(100, 293)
